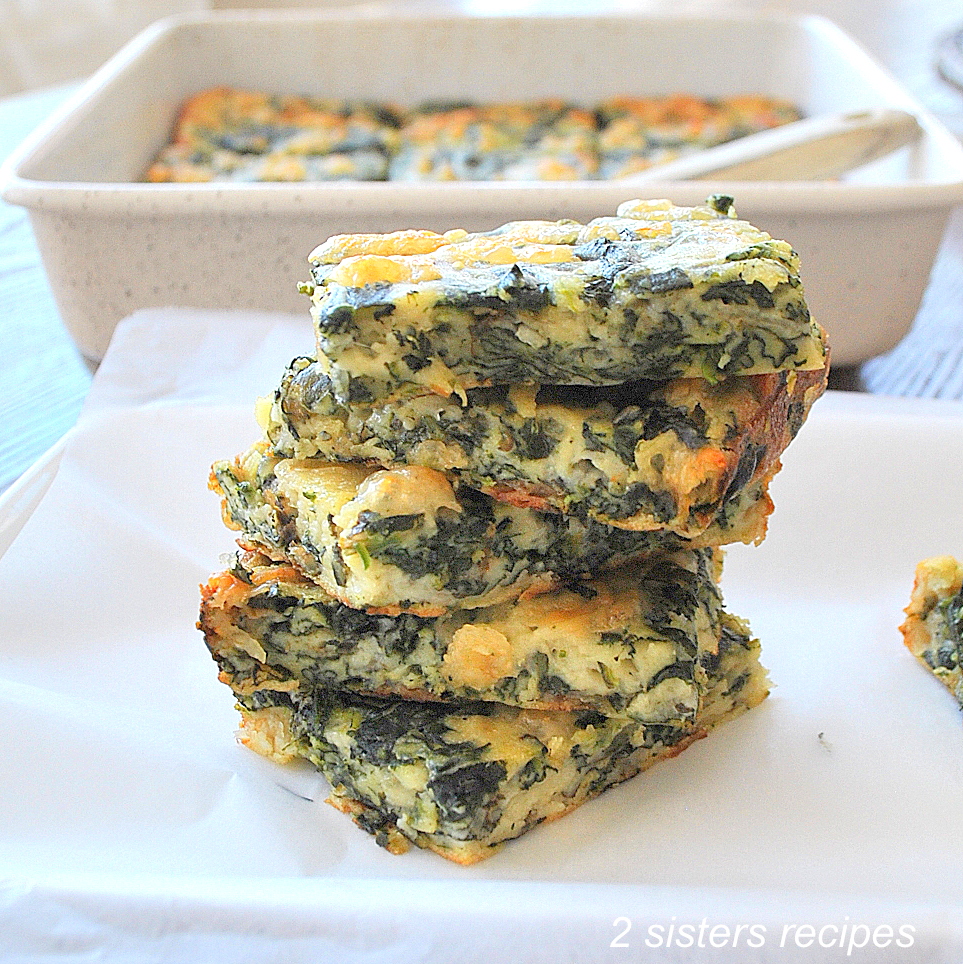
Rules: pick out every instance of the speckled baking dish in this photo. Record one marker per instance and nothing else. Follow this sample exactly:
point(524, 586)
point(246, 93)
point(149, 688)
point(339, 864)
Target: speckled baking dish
point(112, 244)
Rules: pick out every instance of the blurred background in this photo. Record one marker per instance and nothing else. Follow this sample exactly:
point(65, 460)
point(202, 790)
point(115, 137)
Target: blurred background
point(48, 42)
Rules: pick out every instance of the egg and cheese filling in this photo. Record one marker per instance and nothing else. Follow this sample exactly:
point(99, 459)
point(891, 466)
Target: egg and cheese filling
point(463, 779)
point(626, 642)
point(409, 539)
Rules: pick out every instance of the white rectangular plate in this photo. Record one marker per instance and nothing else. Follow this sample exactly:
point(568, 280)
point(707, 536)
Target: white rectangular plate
point(131, 818)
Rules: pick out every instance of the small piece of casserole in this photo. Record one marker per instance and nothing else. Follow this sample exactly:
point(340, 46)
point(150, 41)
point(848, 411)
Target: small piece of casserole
point(637, 132)
point(666, 456)
point(625, 643)
point(234, 135)
point(463, 779)
point(657, 292)
point(933, 629)
point(387, 540)
point(543, 140)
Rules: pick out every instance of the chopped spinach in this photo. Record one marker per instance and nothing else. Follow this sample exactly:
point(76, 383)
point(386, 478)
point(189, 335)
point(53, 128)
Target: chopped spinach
point(464, 793)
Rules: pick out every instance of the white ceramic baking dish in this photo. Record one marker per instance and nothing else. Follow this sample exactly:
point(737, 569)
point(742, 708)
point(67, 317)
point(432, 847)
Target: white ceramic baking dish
point(111, 245)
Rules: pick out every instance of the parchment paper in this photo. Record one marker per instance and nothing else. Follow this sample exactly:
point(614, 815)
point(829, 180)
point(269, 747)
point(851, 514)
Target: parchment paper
point(133, 825)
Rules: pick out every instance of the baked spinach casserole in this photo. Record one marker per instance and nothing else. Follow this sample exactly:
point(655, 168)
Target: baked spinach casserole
point(477, 579)
point(409, 539)
point(462, 779)
point(227, 134)
point(646, 455)
point(625, 643)
point(656, 292)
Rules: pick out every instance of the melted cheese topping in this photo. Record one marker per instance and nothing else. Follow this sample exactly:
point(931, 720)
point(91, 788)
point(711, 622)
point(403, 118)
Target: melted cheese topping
point(322, 488)
point(478, 656)
point(343, 246)
point(401, 256)
point(407, 490)
point(376, 260)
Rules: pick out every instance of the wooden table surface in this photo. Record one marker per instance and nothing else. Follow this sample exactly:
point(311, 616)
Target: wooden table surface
point(43, 379)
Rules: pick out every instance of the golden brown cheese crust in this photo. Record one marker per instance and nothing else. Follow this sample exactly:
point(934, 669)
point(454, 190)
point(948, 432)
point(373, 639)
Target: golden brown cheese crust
point(673, 126)
point(546, 140)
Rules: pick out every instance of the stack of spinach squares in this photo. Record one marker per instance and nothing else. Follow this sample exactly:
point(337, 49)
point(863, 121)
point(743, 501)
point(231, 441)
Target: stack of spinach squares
point(478, 574)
